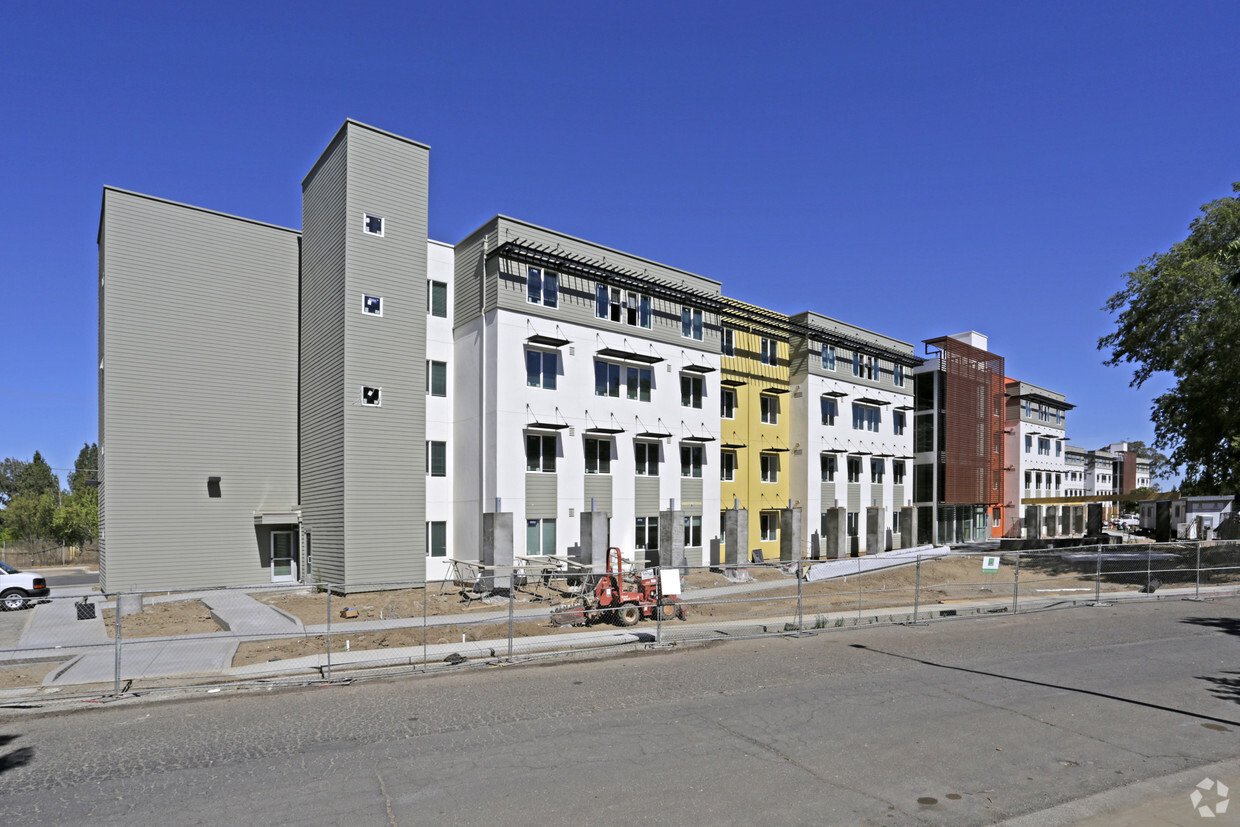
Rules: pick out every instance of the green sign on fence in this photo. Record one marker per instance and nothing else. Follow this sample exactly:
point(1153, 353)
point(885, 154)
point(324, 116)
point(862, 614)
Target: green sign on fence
point(990, 564)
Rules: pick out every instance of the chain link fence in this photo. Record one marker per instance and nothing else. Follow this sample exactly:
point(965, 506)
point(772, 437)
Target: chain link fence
point(95, 646)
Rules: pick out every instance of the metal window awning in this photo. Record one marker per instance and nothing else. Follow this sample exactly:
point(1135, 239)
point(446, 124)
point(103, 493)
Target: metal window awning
point(869, 400)
point(732, 383)
point(775, 390)
point(692, 438)
point(603, 431)
point(904, 407)
point(549, 341)
point(775, 450)
point(628, 355)
point(732, 445)
point(835, 394)
point(545, 426)
point(654, 435)
point(698, 369)
point(277, 518)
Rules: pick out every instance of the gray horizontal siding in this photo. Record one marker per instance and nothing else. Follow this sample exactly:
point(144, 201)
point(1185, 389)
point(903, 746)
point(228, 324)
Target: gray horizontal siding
point(198, 337)
point(829, 493)
point(690, 496)
point(646, 495)
point(854, 496)
point(385, 447)
point(897, 495)
point(541, 496)
point(598, 486)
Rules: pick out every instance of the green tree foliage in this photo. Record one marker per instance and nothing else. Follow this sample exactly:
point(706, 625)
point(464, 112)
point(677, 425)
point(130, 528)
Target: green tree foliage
point(84, 468)
point(1179, 314)
point(1160, 466)
point(18, 478)
point(30, 517)
point(1130, 505)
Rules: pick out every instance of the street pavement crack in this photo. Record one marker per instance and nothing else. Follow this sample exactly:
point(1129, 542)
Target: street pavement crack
point(387, 799)
point(806, 769)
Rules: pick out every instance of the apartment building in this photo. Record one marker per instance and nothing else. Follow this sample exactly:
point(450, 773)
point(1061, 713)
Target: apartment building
point(852, 397)
point(1035, 448)
point(958, 439)
point(754, 417)
point(1074, 460)
point(587, 379)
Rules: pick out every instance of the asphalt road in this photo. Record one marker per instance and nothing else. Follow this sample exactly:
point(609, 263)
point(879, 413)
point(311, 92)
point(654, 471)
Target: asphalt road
point(962, 722)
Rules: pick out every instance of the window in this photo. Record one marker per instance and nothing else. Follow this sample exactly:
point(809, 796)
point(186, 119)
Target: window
point(828, 357)
point(639, 381)
point(598, 456)
point(437, 539)
point(540, 453)
point(876, 471)
point(1044, 447)
point(897, 472)
point(770, 351)
point(768, 523)
point(827, 463)
point(542, 287)
point(437, 459)
point(647, 533)
point(897, 423)
point(1058, 448)
point(372, 397)
point(540, 369)
point(863, 366)
point(637, 309)
point(897, 374)
point(829, 411)
point(372, 305)
point(372, 224)
point(691, 323)
point(691, 391)
point(1028, 444)
point(606, 379)
point(437, 299)
point(1028, 409)
point(770, 409)
point(1058, 417)
point(770, 467)
point(607, 302)
point(727, 341)
point(690, 460)
point(895, 521)
point(693, 532)
point(646, 455)
point(727, 404)
point(436, 378)
point(866, 418)
point(540, 537)
point(854, 469)
point(852, 523)
point(727, 466)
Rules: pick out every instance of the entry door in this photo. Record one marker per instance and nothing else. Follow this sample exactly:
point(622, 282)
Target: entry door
point(283, 557)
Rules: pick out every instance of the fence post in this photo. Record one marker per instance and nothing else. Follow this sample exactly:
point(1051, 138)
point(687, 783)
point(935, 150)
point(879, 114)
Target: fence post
point(917, 592)
point(1197, 588)
point(800, 602)
point(1016, 585)
point(1148, 571)
point(658, 605)
point(116, 683)
point(329, 631)
point(425, 631)
point(1098, 579)
point(512, 596)
point(858, 591)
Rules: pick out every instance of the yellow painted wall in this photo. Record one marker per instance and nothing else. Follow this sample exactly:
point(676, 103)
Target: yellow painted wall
point(748, 429)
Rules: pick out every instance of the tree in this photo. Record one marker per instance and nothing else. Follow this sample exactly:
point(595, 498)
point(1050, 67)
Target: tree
point(18, 478)
point(1129, 505)
point(30, 516)
point(85, 468)
point(1179, 314)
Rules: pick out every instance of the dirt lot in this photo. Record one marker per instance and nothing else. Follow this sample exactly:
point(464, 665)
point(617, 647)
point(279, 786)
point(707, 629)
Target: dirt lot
point(32, 673)
point(179, 617)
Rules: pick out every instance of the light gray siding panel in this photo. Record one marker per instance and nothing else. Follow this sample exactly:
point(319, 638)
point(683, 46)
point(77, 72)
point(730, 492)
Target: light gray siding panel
point(323, 392)
point(897, 495)
point(854, 496)
point(690, 496)
point(646, 495)
point(829, 493)
point(541, 496)
point(385, 448)
point(198, 339)
point(598, 486)
point(468, 275)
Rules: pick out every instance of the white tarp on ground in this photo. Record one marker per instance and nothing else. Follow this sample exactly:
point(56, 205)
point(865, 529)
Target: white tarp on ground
point(872, 562)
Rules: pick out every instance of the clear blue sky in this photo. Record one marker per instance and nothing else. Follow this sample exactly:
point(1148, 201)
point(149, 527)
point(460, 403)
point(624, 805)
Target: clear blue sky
point(915, 168)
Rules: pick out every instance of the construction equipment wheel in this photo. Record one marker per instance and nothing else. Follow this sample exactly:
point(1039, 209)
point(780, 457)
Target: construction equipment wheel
point(666, 610)
point(628, 615)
